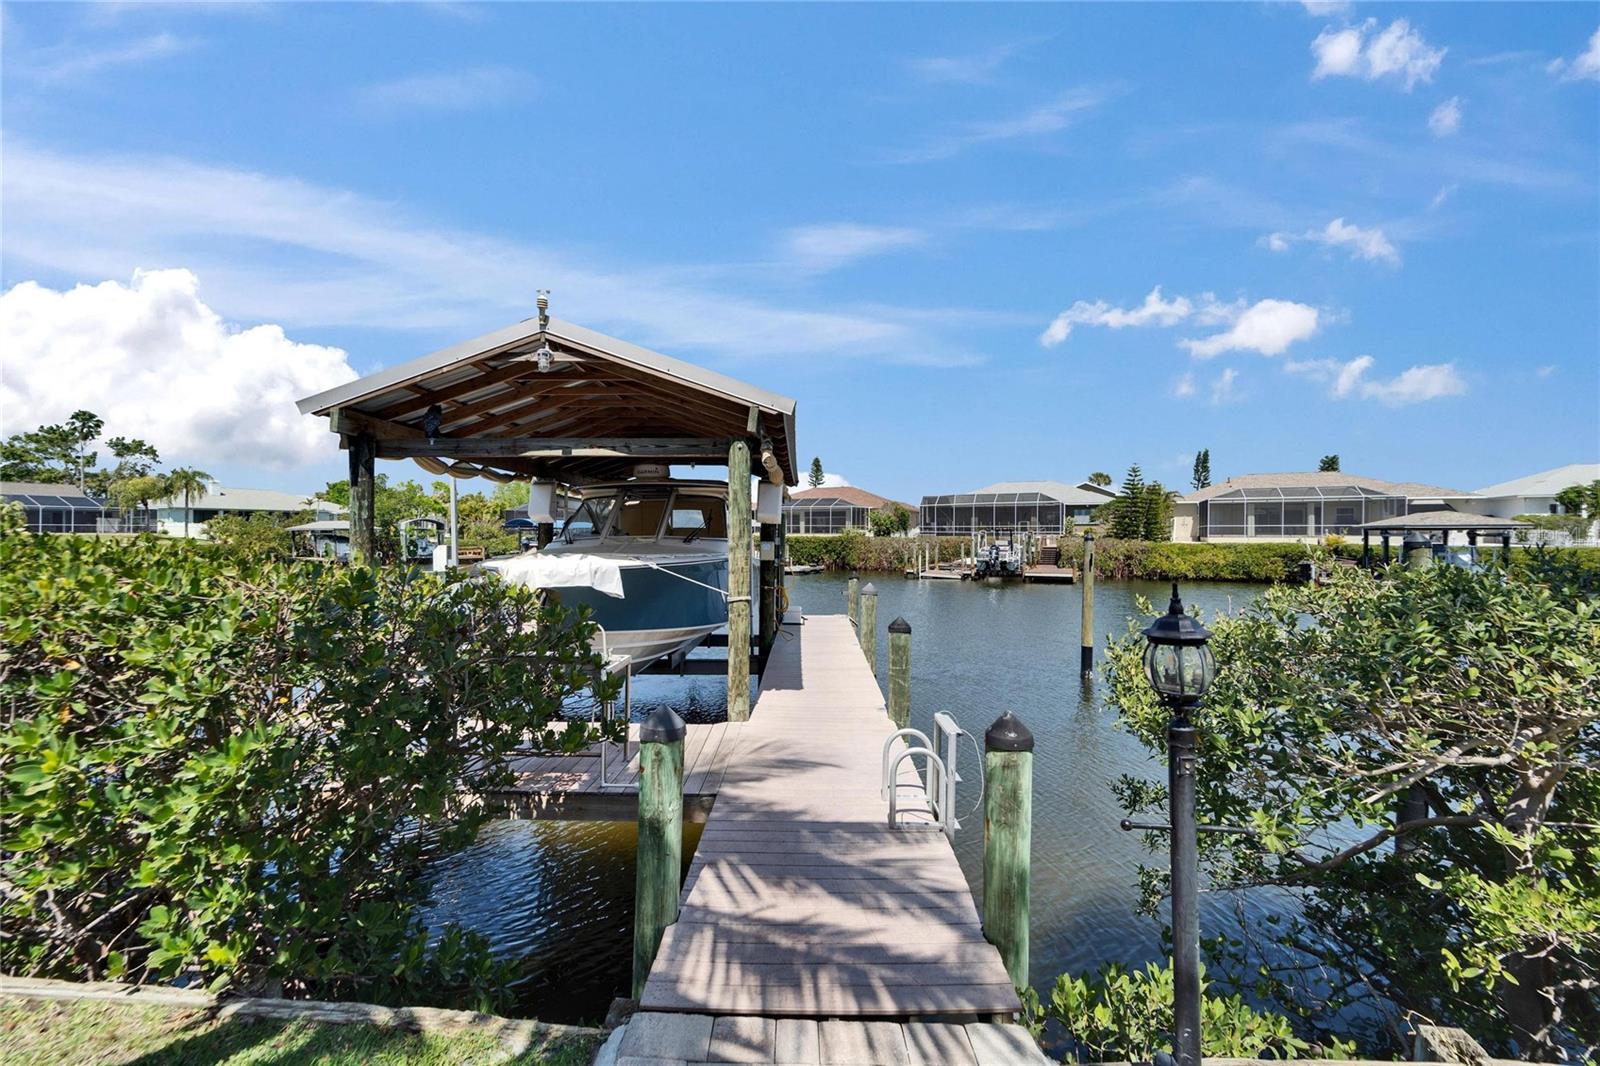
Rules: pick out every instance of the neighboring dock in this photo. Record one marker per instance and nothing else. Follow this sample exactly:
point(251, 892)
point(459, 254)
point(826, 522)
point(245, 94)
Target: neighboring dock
point(801, 901)
point(1049, 574)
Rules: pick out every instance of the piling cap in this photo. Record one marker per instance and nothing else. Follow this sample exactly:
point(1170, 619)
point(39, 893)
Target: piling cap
point(1008, 734)
point(899, 625)
point(869, 589)
point(1088, 534)
point(662, 727)
point(1415, 540)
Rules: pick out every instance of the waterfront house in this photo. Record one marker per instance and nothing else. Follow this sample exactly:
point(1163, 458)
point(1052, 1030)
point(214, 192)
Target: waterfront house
point(52, 508)
point(1047, 508)
point(834, 510)
point(1535, 493)
point(172, 516)
point(1305, 507)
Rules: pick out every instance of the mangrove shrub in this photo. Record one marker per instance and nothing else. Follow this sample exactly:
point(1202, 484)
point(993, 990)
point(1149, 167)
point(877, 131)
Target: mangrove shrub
point(229, 769)
point(1416, 752)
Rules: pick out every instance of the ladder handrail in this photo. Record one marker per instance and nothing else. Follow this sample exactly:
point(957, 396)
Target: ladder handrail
point(889, 744)
point(934, 763)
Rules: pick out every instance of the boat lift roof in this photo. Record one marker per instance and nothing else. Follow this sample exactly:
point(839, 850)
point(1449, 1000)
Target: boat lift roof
point(592, 408)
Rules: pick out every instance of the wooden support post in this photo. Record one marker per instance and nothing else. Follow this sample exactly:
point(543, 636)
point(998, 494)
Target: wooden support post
point(852, 600)
point(869, 625)
point(1366, 549)
point(1008, 841)
point(739, 581)
point(1086, 624)
point(770, 577)
point(545, 534)
point(363, 516)
point(900, 673)
point(659, 858)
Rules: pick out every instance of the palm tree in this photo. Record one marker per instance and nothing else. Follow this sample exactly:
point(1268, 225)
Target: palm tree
point(1099, 477)
point(186, 480)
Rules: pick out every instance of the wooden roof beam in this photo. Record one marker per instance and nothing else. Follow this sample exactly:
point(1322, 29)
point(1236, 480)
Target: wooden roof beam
point(492, 451)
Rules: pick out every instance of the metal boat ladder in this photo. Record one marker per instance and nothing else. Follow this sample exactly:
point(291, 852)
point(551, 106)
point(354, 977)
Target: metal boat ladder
point(939, 777)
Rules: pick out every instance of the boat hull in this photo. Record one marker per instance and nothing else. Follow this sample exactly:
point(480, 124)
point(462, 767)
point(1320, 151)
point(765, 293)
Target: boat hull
point(664, 610)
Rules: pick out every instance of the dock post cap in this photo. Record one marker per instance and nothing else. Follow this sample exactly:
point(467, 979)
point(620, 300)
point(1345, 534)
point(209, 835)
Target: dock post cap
point(1008, 734)
point(899, 625)
point(662, 727)
point(1088, 534)
point(869, 589)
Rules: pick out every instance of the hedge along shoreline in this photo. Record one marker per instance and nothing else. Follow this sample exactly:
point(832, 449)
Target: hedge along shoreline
point(1262, 562)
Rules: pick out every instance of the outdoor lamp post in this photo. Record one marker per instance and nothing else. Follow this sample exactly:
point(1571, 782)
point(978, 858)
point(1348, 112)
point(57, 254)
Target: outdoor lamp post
point(1180, 667)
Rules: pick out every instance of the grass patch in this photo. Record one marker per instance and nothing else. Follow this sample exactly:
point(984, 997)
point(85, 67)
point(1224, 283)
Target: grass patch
point(96, 1033)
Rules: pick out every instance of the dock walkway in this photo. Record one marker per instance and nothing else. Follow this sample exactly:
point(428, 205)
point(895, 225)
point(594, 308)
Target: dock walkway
point(801, 901)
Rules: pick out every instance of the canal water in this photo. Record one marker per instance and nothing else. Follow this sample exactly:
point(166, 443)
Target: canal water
point(557, 897)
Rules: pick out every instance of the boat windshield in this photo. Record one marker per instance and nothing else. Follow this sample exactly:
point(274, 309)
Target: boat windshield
point(693, 517)
point(589, 520)
point(639, 516)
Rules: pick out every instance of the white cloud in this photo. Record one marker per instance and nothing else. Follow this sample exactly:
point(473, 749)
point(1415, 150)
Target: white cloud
point(1325, 8)
point(1397, 52)
point(276, 249)
point(976, 68)
point(1184, 387)
point(1416, 384)
point(70, 62)
point(157, 363)
point(824, 247)
point(1222, 389)
point(1446, 118)
point(1051, 117)
point(1586, 65)
point(456, 90)
point(1362, 243)
point(1444, 193)
point(1154, 311)
point(1546, 370)
point(1267, 326)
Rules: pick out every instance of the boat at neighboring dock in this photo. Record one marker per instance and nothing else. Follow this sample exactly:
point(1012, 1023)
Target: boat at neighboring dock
point(649, 558)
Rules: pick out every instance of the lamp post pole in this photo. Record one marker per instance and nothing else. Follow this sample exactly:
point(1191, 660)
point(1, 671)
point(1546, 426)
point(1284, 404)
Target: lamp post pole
point(1181, 760)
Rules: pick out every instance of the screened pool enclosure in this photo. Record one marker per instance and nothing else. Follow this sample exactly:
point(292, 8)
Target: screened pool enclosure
point(1295, 511)
point(959, 514)
point(825, 514)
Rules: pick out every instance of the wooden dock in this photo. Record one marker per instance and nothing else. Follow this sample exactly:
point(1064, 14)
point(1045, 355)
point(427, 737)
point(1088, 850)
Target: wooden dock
point(1048, 573)
point(800, 900)
point(569, 786)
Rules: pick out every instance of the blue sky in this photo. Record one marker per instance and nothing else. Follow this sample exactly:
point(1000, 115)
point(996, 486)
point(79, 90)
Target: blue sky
point(975, 242)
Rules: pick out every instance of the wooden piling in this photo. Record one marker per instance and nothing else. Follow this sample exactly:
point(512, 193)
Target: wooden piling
point(852, 600)
point(770, 576)
point(739, 581)
point(900, 673)
point(869, 625)
point(1417, 551)
point(1086, 625)
point(545, 533)
point(363, 518)
point(659, 858)
point(1008, 841)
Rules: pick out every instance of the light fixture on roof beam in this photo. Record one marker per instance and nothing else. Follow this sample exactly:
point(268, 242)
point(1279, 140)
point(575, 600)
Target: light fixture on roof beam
point(545, 358)
point(432, 419)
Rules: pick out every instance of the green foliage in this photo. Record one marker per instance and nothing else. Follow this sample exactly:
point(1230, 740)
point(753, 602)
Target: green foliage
point(185, 483)
point(853, 550)
point(1100, 477)
point(392, 503)
point(1127, 517)
point(1573, 524)
point(254, 534)
point(1581, 499)
point(888, 521)
point(1121, 1015)
point(1156, 512)
point(1143, 560)
point(1417, 753)
point(1328, 463)
point(1202, 470)
point(58, 453)
point(136, 492)
point(816, 476)
point(232, 769)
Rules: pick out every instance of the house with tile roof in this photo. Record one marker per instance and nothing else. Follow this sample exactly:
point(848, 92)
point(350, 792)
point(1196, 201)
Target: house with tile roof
point(1046, 508)
point(836, 509)
point(1535, 493)
point(173, 516)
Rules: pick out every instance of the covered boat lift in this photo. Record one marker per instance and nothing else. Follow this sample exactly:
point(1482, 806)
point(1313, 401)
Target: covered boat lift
point(1441, 522)
point(550, 401)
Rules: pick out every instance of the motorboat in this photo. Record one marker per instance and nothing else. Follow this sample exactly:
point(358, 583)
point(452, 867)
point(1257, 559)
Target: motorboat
point(649, 558)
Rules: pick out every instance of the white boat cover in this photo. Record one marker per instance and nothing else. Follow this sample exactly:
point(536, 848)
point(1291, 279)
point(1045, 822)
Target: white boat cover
point(548, 570)
point(560, 566)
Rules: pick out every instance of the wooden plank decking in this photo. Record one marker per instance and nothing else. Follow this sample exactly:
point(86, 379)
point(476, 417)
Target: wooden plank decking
point(800, 900)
